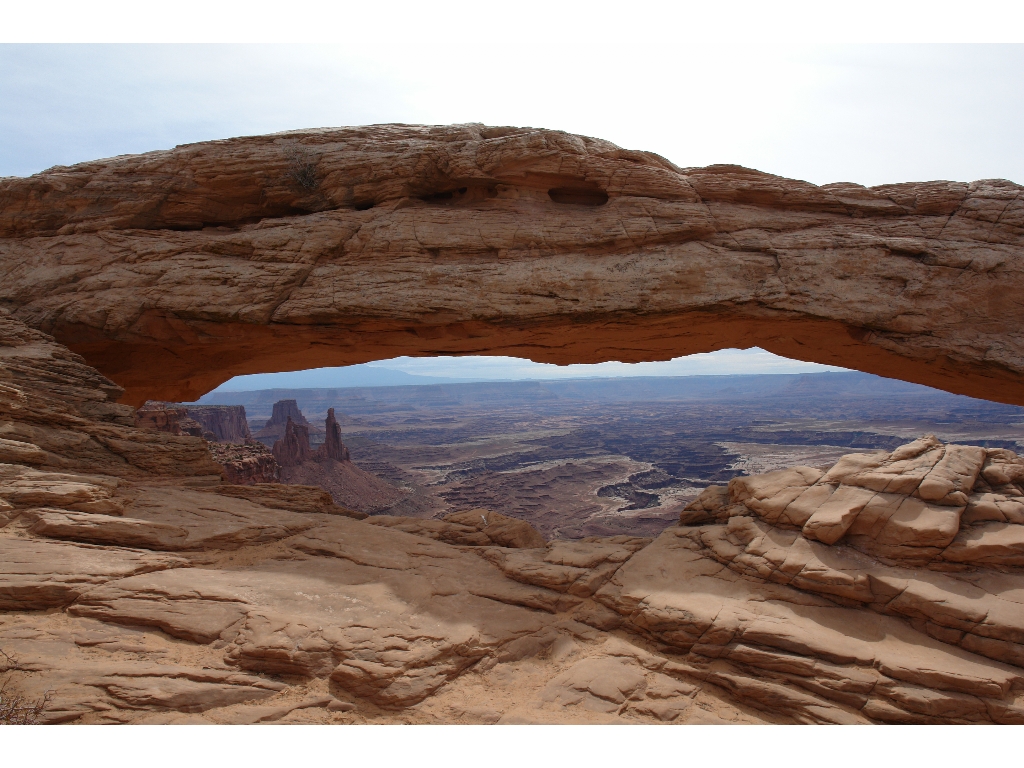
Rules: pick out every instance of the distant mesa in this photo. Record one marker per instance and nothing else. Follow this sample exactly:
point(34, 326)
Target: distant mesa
point(216, 423)
point(227, 423)
point(170, 418)
point(292, 460)
point(274, 429)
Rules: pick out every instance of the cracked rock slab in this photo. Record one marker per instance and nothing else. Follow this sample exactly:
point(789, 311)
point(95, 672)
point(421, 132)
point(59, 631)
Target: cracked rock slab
point(35, 575)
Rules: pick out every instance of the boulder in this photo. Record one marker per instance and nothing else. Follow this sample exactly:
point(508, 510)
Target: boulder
point(247, 463)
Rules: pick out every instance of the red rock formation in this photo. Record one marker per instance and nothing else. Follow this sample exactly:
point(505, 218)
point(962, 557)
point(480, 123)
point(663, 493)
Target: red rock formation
point(406, 240)
point(884, 589)
point(274, 429)
point(293, 449)
point(329, 467)
point(165, 417)
point(60, 415)
point(332, 447)
point(247, 463)
point(227, 423)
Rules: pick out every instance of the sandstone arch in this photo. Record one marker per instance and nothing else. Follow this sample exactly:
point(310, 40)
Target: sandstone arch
point(173, 271)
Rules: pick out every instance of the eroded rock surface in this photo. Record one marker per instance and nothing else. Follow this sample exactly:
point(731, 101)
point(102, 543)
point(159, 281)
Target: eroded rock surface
point(173, 271)
point(471, 527)
point(887, 588)
point(59, 415)
point(246, 463)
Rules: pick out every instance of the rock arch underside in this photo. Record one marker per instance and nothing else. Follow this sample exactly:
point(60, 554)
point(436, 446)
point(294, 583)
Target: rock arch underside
point(139, 584)
point(172, 271)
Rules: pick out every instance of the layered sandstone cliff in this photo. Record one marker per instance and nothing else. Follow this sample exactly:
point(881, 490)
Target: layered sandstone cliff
point(226, 423)
point(173, 271)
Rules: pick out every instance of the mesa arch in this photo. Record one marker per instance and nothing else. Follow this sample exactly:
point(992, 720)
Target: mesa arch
point(173, 271)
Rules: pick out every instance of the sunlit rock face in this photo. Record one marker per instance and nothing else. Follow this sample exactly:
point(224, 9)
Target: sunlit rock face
point(173, 271)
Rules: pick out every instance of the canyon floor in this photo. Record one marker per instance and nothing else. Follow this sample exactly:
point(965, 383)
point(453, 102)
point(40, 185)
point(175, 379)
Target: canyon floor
point(609, 457)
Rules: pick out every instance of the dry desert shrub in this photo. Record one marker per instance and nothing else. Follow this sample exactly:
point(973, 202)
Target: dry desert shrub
point(14, 708)
point(302, 164)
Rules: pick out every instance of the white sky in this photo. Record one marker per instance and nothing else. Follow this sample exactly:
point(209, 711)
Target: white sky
point(803, 90)
point(824, 113)
point(725, 361)
point(494, 368)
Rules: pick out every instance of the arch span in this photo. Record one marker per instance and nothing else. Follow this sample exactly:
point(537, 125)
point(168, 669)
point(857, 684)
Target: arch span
point(174, 271)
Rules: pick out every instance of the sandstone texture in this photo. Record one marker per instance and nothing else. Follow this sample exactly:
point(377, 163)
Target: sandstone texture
point(60, 419)
point(472, 528)
point(172, 271)
point(137, 586)
point(246, 463)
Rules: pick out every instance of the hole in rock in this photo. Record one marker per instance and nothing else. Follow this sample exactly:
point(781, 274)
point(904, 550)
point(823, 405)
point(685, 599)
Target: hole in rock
point(468, 194)
point(580, 450)
point(578, 196)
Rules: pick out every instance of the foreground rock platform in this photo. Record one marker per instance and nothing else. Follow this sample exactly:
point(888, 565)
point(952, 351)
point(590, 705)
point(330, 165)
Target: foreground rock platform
point(136, 587)
point(173, 271)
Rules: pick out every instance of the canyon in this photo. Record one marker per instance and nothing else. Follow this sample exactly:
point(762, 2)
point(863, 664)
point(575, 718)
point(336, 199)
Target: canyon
point(876, 578)
point(604, 457)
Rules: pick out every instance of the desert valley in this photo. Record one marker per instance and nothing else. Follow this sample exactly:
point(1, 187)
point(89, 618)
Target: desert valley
point(603, 457)
point(811, 548)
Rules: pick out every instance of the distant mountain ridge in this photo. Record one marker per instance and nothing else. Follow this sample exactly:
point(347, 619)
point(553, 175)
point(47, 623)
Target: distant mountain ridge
point(353, 400)
point(337, 378)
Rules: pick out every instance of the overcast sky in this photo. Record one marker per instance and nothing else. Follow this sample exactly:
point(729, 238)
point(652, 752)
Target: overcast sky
point(871, 114)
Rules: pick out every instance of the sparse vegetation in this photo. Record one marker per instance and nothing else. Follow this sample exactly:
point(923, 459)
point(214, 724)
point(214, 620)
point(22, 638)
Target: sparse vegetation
point(302, 163)
point(15, 709)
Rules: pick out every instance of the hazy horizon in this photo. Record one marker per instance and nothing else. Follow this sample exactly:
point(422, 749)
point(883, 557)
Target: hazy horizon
point(403, 371)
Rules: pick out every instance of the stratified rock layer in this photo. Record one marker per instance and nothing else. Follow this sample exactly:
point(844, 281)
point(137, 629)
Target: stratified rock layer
point(226, 423)
point(173, 271)
point(59, 415)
